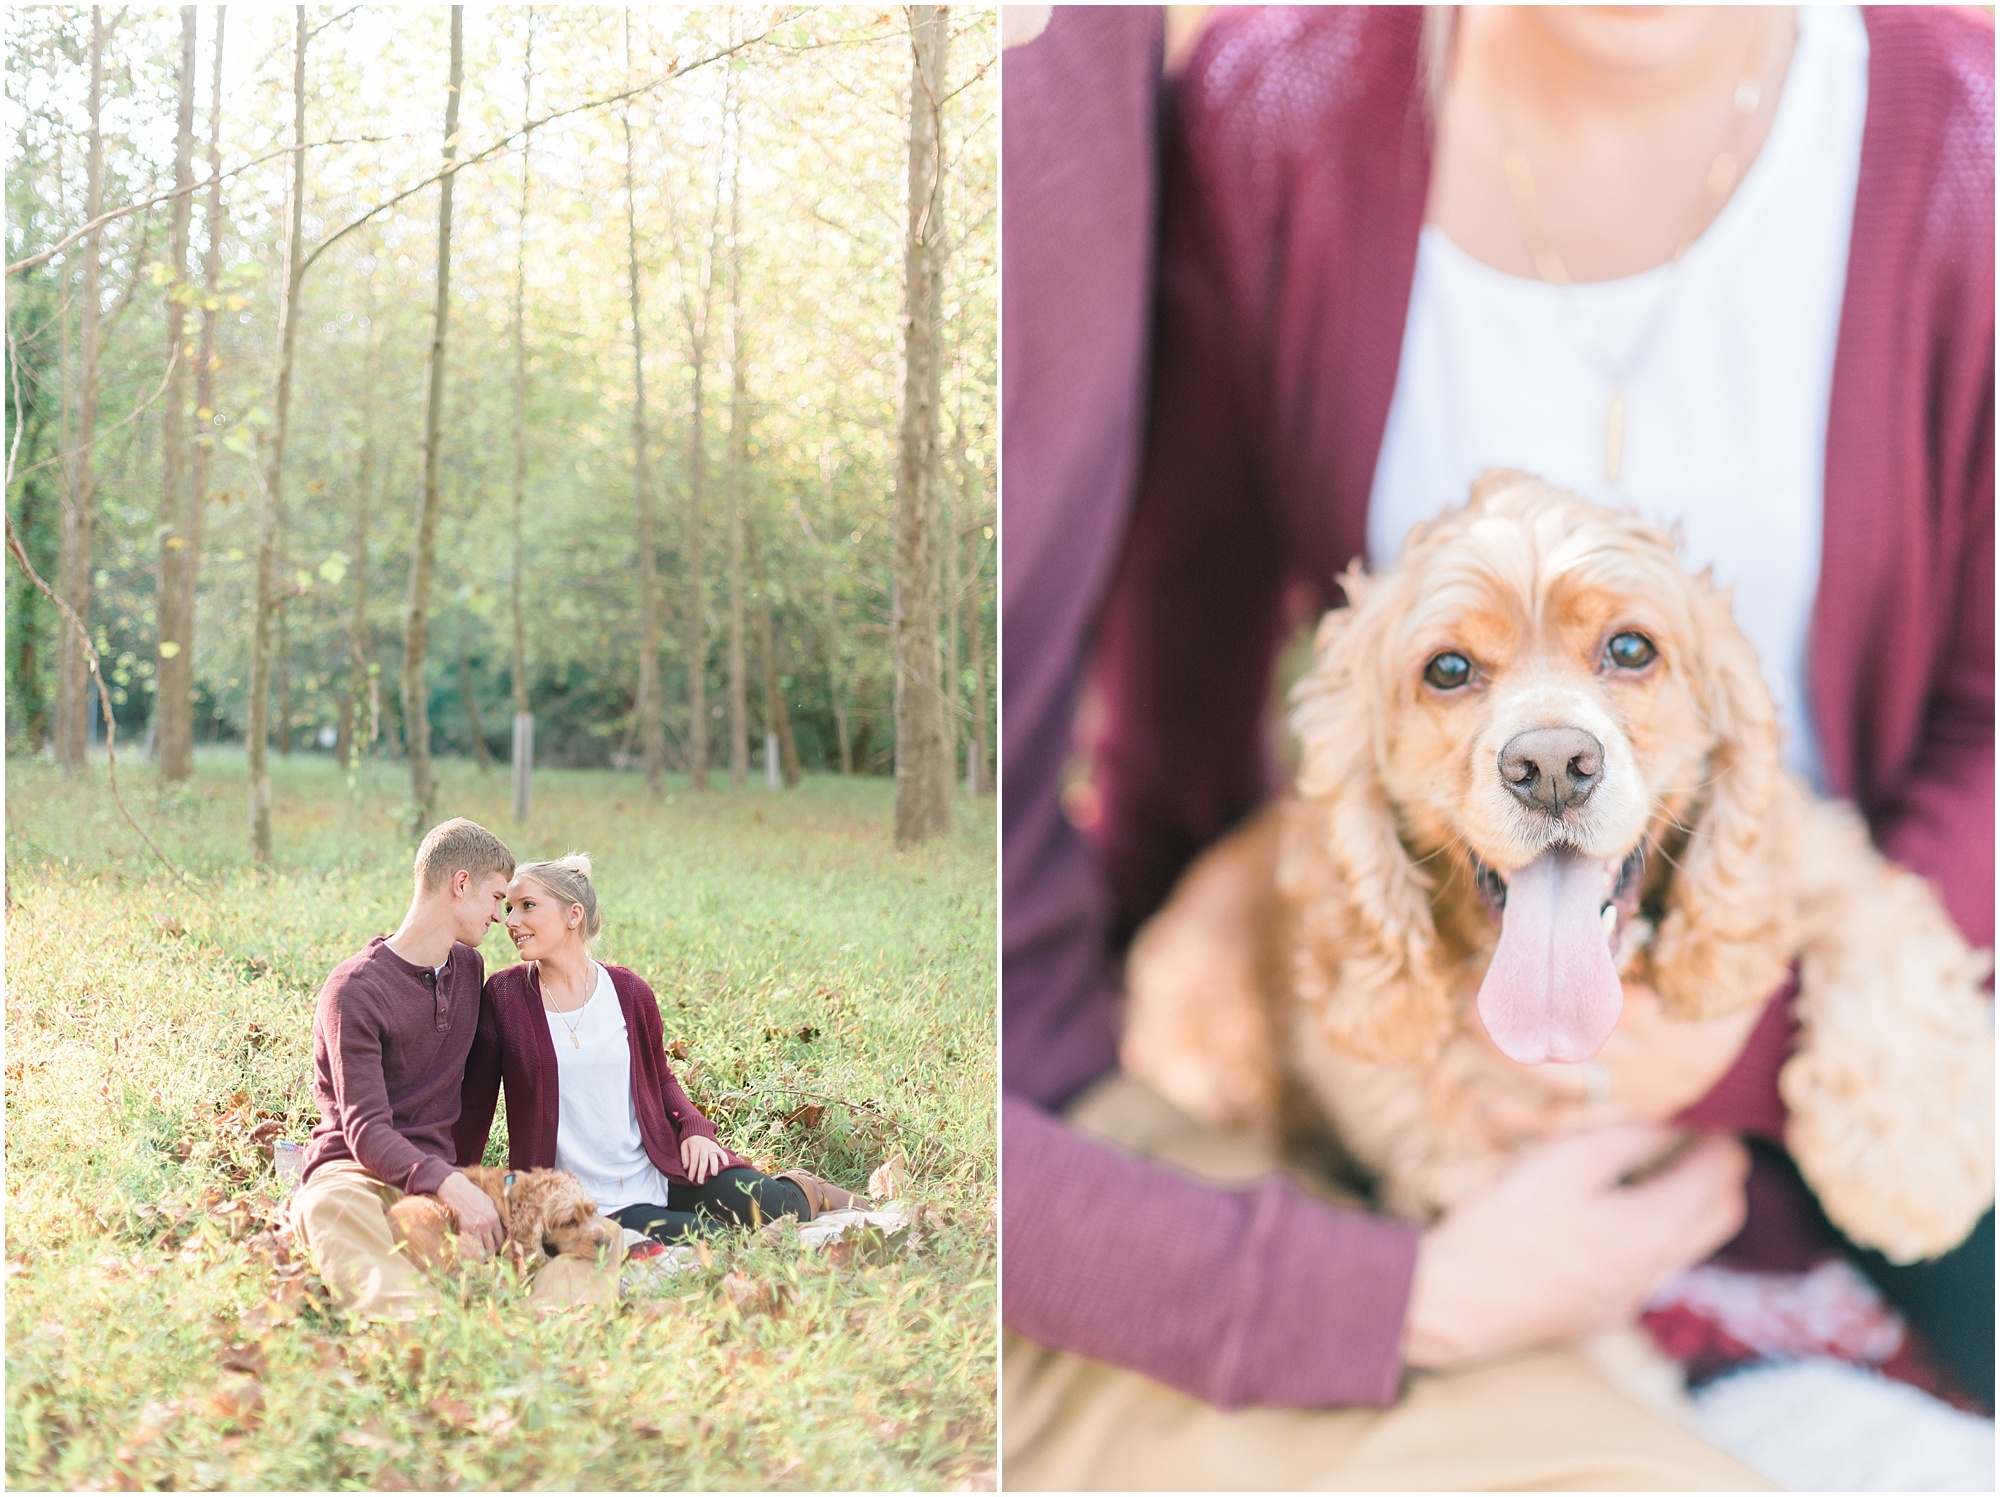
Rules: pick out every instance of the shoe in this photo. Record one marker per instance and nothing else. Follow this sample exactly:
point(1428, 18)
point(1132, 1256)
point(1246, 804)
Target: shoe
point(823, 1196)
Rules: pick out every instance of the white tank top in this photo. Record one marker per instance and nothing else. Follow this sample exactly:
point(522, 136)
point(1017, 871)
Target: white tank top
point(597, 1122)
point(1726, 418)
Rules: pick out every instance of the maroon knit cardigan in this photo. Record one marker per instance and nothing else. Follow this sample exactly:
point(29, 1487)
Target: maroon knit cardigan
point(513, 1044)
point(1296, 171)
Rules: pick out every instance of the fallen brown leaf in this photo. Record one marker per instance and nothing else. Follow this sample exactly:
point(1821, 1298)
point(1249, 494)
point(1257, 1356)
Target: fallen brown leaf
point(153, 1421)
point(753, 1298)
point(498, 1422)
point(807, 1116)
point(891, 1180)
point(237, 1399)
point(453, 1413)
point(391, 1478)
point(246, 1356)
point(371, 1437)
point(678, 1049)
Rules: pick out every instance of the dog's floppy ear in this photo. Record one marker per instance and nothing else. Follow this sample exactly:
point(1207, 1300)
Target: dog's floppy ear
point(1366, 962)
point(1724, 941)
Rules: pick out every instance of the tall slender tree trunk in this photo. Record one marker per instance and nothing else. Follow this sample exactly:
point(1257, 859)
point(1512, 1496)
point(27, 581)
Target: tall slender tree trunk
point(283, 670)
point(79, 508)
point(480, 752)
point(832, 615)
point(187, 572)
point(523, 756)
point(923, 752)
point(697, 622)
point(66, 393)
point(777, 716)
point(976, 759)
point(951, 545)
point(343, 740)
point(362, 685)
point(739, 437)
point(976, 783)
point(270, 520)
point(172, 708)
point(652, 736)
point(423, 550)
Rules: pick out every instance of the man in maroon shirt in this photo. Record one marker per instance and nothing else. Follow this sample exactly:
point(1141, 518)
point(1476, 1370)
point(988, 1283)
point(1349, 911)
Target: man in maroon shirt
point(390, 1035)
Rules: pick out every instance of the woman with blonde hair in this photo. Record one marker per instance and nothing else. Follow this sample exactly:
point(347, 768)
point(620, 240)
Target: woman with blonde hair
point(1732, 267)
point(578, 1045)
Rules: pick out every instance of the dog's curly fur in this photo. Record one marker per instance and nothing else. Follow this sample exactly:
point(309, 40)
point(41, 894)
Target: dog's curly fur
point(547, 1213)
point(1321, 964)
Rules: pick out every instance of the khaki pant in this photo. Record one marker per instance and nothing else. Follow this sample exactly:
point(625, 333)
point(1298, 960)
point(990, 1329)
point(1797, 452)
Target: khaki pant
point(342, 1216)
point(1597, 1417)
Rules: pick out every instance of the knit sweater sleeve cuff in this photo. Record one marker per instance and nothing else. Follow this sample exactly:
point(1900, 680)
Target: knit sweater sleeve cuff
point(429, 1175)
point(1322, 1298)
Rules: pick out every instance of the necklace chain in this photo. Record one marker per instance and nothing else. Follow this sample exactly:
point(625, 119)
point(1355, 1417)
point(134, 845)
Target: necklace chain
point(1716, 187)
point(564, 1014)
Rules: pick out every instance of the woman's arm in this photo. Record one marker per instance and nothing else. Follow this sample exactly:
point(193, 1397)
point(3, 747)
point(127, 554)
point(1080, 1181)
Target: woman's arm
point(683, 1117)
point(1942, 823)
point(480, 1090)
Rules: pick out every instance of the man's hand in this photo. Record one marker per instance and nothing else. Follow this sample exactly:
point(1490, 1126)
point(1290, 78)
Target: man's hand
point(477, 1219)
point(701, 1157)
point(1557, 1248)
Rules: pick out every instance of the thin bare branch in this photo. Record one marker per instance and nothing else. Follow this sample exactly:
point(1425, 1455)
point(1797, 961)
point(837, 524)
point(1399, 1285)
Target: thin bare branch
point(129, 209)
point(507, 140)
point(133, 415)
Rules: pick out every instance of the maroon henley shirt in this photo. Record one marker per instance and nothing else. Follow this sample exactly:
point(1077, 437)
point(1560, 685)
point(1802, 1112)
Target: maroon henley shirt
point(390, 1040)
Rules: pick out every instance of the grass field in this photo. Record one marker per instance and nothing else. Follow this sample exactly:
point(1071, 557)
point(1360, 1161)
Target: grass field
point(151, 1342)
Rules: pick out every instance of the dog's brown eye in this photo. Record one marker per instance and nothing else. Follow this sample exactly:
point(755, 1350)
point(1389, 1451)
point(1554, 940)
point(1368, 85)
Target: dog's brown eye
point(1448, 670)
point(1630, 651)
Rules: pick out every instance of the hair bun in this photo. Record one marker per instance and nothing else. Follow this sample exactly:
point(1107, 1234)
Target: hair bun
point(576, 862)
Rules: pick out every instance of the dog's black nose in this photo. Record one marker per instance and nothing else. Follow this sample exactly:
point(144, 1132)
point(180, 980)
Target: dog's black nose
point(1552, 767)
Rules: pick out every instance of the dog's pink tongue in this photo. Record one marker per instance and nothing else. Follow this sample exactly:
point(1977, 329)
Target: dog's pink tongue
point(1551, 992)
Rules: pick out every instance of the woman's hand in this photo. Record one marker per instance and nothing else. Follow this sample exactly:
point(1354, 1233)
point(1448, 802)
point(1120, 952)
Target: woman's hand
point(702, 1157)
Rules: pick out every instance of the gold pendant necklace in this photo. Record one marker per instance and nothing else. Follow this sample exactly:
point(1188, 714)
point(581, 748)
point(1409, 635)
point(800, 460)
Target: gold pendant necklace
point(1549, 266)
point(572, 1028)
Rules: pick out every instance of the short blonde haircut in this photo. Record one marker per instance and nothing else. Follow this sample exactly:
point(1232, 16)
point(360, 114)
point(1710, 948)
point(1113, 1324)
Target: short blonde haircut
point(456, 845)
point(568, 879)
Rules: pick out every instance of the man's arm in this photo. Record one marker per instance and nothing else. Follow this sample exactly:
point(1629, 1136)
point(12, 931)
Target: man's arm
point(1258, 1296)
point(1242, 1297)
point(354, 1053)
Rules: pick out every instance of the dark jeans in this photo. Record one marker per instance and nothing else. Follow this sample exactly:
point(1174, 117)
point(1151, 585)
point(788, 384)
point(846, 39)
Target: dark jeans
point(1949, 1300)
point(735, 1197)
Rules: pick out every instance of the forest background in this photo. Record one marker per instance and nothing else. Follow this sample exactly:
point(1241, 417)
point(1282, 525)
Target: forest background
point(749, 307)
point(717, 353)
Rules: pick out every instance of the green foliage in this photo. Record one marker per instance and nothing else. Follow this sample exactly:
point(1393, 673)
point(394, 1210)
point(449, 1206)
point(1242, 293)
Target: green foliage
point(794, 952)
point(823, 182)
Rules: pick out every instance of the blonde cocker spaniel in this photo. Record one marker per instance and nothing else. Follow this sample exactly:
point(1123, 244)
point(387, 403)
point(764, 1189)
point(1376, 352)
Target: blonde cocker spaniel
point(546, 1213)
point(1538, 761)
